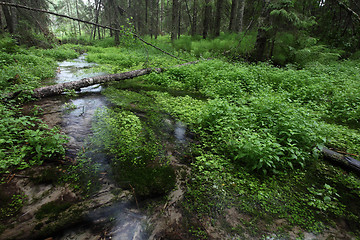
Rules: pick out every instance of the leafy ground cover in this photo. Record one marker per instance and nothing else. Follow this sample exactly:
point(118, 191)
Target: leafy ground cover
point(25, 141)
point(259, 131)
point(259, 120)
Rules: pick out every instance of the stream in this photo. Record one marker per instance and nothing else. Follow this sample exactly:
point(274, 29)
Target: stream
point(110, 213)
point(76, 124)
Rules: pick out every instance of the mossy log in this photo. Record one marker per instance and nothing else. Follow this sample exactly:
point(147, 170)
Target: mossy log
point(343, 160)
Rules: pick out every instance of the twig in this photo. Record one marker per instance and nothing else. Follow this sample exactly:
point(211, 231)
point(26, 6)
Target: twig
point(349, 9)
point(11, 178)
point(87, 22)
point(351, 154)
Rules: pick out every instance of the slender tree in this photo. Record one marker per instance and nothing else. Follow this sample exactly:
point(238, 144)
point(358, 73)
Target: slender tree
point(232, 22)
point(1, 24)
point(9, 19)
point(207, 17)
point(240, 16)
point(217, 23)
point(194, 18)
point(174, 19)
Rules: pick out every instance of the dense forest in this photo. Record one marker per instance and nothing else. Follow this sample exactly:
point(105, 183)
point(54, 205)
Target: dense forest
point(169, 119)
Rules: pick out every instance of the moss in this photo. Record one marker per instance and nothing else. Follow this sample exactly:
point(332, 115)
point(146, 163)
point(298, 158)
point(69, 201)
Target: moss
point(64, 221)
point(10, 205)
point(47, 176)
point(145, 181)
point(52, 209)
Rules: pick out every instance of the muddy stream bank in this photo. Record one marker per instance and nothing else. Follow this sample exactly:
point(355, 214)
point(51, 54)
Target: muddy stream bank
point(57, 211)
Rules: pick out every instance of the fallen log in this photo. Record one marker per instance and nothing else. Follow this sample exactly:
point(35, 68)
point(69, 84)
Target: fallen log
point(343, 160)
point(57, 89)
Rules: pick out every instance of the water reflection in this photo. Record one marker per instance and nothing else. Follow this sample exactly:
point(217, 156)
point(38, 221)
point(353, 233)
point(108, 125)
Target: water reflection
point(122, 220)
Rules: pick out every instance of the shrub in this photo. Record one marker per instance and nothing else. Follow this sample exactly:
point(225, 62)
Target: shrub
point(267, 133)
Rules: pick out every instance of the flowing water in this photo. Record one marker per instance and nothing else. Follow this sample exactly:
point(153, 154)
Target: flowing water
point(110, 213)
point(119, 219)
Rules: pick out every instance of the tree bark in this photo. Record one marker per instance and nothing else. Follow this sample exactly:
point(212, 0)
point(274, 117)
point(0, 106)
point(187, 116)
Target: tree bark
point(9, 19)
point(217, 25)
point(234, 6)
point(345, 161)
point(1, 25)
point(263, 35)
point(57, 89)
point(146, 17)
point(194, 18)
point(78, 15)
point(206, 23)
point(161, 15)
point(179, 20)
point(174, 19)
point(240, 16)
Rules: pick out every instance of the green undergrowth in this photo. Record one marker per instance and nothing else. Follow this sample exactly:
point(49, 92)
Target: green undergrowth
point(259, 136)
point(115, 59)
point(225, 44)
point(240, 137)
point(25, 141)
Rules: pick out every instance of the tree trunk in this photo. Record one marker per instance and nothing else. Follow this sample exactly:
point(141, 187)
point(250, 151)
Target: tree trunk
point(194, 19)
point(78, 16)
point(146, 17)
point(345, 161)
point(1, 25)
point(206, 23)
point(9, 19)
point(161, 15)
point(57, 89)
point(72, 24)
point(260, 45)
point(263, 35)
point(174, 19)
point(240, 16)
point(232, 23)
point(97, 12)
point(217, 25)
point(179, 20)
point(156, 20)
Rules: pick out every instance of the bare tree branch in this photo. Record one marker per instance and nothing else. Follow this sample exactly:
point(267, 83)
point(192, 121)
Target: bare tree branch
point(349, 9)
point(87, 22)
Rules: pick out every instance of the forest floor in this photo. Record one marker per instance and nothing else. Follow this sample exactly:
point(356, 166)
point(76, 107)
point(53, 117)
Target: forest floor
point(216, 150)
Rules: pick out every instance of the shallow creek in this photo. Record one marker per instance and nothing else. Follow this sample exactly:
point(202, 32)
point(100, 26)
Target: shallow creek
point(129, 222)
point(110, 213)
